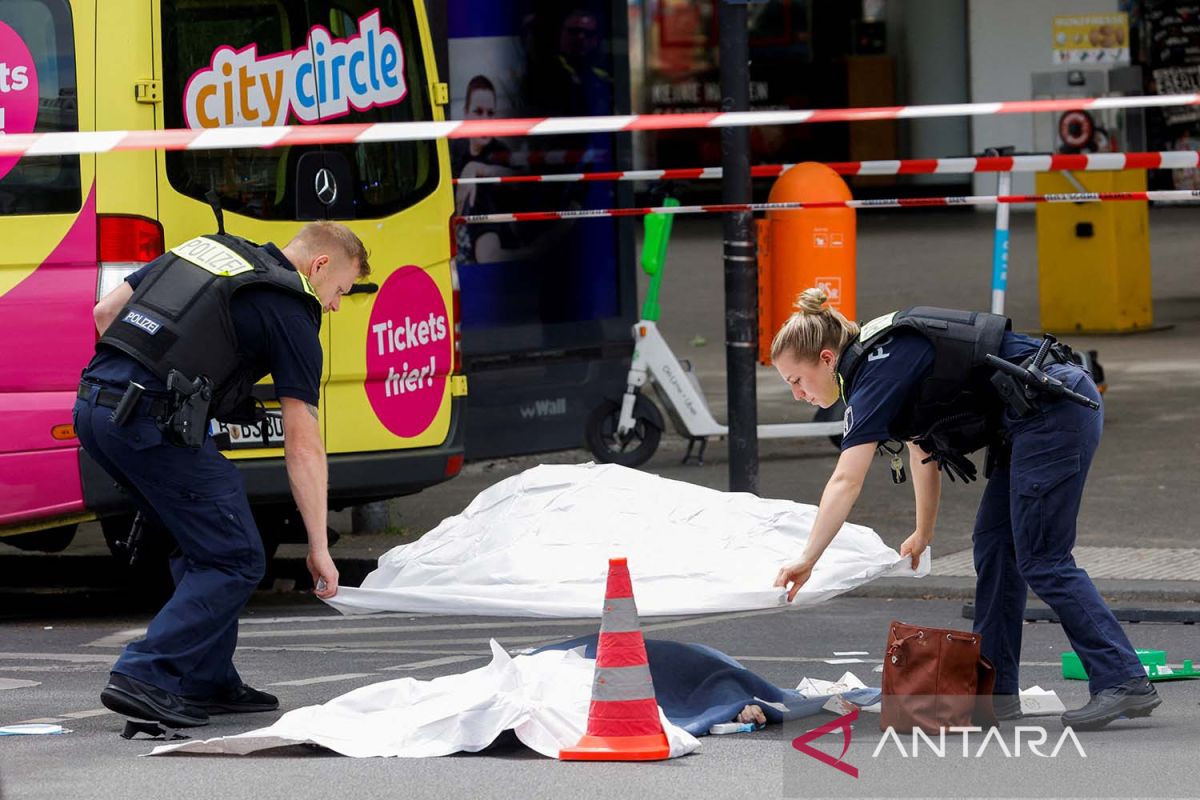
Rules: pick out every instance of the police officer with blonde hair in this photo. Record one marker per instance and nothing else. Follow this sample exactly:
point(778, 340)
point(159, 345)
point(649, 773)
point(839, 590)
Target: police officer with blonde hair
point(947, 383)
point(183, 341)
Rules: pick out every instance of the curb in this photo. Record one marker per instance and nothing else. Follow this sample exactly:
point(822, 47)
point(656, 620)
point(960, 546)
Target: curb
point(960, 588)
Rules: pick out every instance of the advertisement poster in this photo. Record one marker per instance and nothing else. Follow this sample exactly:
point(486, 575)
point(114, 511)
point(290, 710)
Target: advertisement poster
point(1170, 57)
point(682, 75)
point(1092, 39)
point(532, 58)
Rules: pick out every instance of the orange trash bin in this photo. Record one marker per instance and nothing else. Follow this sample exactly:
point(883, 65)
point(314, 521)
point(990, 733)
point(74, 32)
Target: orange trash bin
point(804, 248)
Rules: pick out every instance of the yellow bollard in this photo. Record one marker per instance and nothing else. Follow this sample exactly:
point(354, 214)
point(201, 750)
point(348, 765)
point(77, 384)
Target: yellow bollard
point(1094, 258)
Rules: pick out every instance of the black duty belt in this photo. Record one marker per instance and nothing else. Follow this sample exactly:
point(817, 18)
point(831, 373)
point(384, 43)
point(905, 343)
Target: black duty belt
point(155, 405)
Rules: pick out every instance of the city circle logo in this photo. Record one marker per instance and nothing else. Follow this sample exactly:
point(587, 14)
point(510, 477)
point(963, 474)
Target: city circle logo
point(326, 78)
point(409, 352)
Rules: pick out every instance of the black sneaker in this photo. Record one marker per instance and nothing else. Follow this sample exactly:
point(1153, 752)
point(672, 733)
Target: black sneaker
point(1133, 698)
point(133, 698)
point(1007, 707)
point(242, 700)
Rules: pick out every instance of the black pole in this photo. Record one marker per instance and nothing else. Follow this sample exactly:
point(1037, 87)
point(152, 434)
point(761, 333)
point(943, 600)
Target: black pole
point(741, 262)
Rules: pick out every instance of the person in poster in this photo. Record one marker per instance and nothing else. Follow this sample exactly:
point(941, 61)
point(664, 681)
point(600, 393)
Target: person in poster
point(531, 58)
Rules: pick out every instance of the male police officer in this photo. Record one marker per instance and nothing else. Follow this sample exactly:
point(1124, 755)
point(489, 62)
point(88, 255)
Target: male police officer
point(184, 339)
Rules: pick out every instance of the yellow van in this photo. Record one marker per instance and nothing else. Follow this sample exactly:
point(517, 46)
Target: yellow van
point(73, 227)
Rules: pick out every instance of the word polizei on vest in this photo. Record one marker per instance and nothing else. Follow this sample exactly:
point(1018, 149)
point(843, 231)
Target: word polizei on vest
point(397, 337)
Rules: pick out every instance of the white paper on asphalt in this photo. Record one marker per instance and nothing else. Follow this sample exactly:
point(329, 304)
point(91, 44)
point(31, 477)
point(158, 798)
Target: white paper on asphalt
point(537, 545)
point(816, 687)
point(1037, 702)
point(543, 698)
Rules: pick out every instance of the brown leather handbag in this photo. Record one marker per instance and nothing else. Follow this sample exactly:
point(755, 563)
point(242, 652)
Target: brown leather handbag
point(935, 678)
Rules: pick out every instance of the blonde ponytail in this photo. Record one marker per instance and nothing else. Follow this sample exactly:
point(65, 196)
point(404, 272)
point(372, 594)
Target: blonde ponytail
point(812, 301)
point(814, 327)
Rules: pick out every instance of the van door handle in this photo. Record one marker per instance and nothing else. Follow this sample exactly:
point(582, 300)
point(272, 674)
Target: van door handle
point(364, 288)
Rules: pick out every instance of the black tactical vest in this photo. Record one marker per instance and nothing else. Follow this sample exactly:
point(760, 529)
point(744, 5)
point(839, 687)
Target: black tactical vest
point(178, 317)
point(955, 410)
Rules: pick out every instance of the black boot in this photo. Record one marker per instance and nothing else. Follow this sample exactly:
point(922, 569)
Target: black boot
point(242, 700)
point(138, 699)
point(1133, 698)
point(1007, 707)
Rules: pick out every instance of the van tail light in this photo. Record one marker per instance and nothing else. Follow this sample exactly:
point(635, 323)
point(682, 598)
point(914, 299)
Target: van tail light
point(125, 244)
point(456, 303)
point(454, 465)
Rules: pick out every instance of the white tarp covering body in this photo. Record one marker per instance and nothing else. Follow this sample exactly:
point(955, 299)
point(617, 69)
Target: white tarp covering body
point(537, 545)
point(543, 698)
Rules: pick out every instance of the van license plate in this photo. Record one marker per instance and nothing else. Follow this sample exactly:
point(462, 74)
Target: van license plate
point(242, 437)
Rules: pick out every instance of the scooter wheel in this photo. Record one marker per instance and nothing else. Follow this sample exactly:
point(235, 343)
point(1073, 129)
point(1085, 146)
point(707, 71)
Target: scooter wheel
point(631, 450)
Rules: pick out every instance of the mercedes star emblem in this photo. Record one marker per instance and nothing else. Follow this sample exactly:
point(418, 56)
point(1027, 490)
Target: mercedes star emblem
point(325, 186)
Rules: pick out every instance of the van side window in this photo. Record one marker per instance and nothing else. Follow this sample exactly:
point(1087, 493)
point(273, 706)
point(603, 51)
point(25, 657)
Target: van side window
point(38, 94)
point(265, 62)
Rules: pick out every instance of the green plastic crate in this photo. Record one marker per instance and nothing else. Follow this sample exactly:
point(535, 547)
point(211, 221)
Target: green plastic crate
point(1155, 662)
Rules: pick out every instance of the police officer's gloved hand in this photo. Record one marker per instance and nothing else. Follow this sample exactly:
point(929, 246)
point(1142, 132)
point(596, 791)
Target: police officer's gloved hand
point(953, 464)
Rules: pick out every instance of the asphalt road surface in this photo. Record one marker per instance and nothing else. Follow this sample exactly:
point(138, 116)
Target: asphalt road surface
point(53, 669)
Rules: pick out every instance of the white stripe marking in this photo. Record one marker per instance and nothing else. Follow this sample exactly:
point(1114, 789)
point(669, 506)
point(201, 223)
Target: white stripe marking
point(349, 676)
point(407, 131)
point(118, 638)
point(83, 142)
point(363, 647)
point(401, 646)
point(434, 662)
point(948, 110)
point(95, 712)
point(878, 167)
point(76, 658)
point(221, 138)
point(582, 124)
point(809, 660)
point(334, 617)
point(956, 165)
point(397, 629)
point(17, 683)
point(1180, 160)
point(743, 118)
point(1106, 161)
point(1147, 101)
point(1031, 163)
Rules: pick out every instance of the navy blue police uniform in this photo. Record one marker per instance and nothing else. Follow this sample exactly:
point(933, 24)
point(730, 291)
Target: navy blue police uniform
point(1026, 525)
point(196, 493)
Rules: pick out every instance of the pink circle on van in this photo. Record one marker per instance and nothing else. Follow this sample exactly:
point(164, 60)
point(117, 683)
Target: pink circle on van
point(18, 89)
point(409, 351)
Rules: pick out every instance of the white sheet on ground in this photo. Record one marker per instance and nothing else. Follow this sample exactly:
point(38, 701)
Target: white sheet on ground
point(537, 545)
point(544, 698)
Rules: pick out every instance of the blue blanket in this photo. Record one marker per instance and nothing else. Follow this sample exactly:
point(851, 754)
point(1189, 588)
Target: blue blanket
point(698, 686)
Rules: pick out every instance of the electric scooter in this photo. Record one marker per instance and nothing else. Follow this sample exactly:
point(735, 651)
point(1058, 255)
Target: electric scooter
point(628, 432)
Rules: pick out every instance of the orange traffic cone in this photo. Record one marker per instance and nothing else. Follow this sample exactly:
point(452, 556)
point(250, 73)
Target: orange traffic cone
point(623, 722)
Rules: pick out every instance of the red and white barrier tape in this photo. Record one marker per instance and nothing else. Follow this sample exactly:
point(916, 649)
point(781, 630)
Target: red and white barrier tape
point(62, 143)
point(1170, 159)
point(1187, 195)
